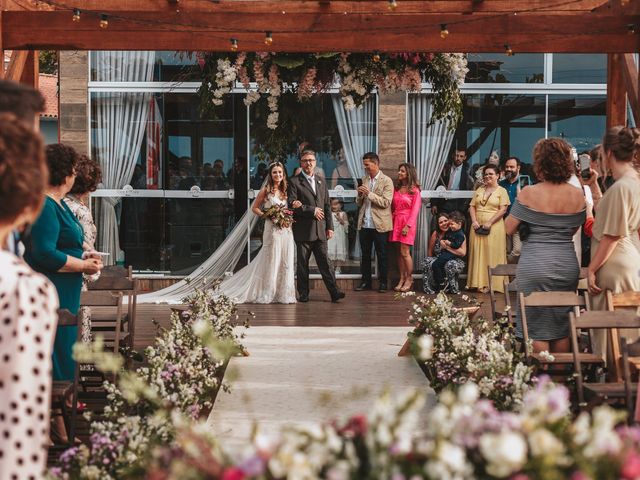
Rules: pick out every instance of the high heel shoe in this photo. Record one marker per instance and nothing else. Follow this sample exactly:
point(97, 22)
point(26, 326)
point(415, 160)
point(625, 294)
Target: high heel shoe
point(398, 287)
point(407, 287)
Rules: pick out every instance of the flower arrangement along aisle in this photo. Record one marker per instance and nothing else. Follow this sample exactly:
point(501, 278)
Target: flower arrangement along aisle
point(303, 75)
point(181, 378)
point(463, 349)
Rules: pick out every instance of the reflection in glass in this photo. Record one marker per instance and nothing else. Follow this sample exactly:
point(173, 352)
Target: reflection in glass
point(580, 120)
point(203, 152)
point(500, 68)
point(506, 124)
point(579, 68)
point(168, 66)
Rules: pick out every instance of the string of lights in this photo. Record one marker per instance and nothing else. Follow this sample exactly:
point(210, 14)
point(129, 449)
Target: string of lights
point(444, 29)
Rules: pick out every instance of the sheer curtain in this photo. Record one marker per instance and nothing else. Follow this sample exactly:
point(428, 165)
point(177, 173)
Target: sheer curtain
point(358, 132)
point(120, 125)
point(427, 147)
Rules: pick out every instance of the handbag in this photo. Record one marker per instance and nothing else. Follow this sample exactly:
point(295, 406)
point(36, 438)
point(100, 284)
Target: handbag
point(483, 231)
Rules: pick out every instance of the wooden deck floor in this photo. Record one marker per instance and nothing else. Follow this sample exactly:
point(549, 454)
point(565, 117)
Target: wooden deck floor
point(358, 309)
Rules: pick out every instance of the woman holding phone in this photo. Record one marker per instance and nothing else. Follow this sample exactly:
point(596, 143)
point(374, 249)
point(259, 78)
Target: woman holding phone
point(88, 176)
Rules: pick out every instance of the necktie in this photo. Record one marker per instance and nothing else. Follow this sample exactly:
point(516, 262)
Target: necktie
point(312, 183)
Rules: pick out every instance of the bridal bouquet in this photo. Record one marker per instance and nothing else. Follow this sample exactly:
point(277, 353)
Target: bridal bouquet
point(280, 215)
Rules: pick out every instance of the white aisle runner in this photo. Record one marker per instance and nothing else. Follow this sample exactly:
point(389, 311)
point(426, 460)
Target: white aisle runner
point(300, 375)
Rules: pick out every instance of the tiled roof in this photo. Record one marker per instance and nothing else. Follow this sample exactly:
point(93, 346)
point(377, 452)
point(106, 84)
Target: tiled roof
point(49, 89)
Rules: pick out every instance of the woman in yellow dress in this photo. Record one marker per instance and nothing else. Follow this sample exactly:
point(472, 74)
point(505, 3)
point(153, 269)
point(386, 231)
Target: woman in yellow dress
point(615, 245)
point(487, 210)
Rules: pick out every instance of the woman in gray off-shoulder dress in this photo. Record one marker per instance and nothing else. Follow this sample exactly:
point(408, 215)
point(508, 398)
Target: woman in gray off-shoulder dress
point(547, 215)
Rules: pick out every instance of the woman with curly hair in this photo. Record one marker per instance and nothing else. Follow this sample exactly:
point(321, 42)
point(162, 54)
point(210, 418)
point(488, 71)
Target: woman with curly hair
point(547, 215)
point(54, 248)
point(615, 247)
point(88, 176)
point(405, 207)
point(28, 303)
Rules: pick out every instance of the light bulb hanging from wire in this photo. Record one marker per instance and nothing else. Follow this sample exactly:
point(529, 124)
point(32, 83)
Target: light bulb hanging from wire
point(234, 44)
point(76, 15)
point(268, 38)
point(104, 21)
point(508, 50)
point(631, 29)
point(392, 5)
point(443, 31)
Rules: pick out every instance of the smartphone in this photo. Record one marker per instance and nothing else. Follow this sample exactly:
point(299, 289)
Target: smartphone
point(585, 166)
point(524, 180)
point(359, 180)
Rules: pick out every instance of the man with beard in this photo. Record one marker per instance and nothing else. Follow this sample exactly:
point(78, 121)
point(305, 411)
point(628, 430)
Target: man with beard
point(511, 184)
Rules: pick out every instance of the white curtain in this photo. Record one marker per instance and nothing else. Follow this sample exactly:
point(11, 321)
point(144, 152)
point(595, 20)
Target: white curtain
point(428, 147)
point(358, 132)
point(217, 266)
point(120, 125)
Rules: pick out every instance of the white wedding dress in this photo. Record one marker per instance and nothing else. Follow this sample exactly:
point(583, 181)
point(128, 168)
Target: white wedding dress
point(270, 276)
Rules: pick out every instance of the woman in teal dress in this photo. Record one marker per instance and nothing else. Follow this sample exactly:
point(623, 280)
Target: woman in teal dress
point(54, 248)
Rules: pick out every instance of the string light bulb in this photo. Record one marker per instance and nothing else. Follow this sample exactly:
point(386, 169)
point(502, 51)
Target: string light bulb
point(268, 38)
point(76, 15)
point(631, 29)
point(443, 31)
point(104, 21)
point(376, 57)
point(508, 50)
point(393, 4)
point(234, 44)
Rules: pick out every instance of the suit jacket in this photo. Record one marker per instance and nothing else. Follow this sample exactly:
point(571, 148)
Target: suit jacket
point(380, 198)
point(466, 183)
point(306, 228)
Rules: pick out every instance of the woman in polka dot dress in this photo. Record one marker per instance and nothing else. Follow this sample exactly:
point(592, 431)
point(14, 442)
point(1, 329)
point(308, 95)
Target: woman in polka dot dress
point(28, 304)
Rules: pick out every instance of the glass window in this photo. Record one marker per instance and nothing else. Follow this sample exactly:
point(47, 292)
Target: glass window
point(168, 66)
point(506, 124)
point(500, 68)
point(579, 68)
point(580, 120)
point(201, 151)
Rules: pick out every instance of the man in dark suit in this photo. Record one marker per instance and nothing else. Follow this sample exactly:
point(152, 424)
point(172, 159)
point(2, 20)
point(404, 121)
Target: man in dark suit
point(456, 175)
point(313, 226)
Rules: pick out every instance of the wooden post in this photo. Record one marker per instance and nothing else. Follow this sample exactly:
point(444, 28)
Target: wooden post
point(631, 75)
point(1, 47)
point(616, 92)
point(31, 77)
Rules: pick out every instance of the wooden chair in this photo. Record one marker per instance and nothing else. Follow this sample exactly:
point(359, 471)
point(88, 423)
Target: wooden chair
point(616, 301)
point(108, 323)
point(508, 271)
point(554, 299)
point(596, 320)
point(630, 389)
point(118, 279)
point(61, 390)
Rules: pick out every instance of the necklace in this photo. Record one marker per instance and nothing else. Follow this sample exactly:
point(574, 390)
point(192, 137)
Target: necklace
point(485, 197)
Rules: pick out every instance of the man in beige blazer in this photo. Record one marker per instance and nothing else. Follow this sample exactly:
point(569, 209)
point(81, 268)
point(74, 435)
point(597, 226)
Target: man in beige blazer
point(374, 220)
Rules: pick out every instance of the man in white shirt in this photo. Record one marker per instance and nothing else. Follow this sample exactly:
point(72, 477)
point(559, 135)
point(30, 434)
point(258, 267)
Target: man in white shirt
point(374, 220)
point(455, 176)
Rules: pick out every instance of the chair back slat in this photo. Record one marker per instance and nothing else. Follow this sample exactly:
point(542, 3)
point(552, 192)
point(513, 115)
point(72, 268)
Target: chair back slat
point(100, 298)
point(504, 269)
point(112, 283)
point(628, 350)
point(622, 300)
point(604, 320)
point(117, 271)
point(553, 299)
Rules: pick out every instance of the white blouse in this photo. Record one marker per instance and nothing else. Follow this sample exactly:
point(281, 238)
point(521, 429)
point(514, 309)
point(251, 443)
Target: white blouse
point(28, 317)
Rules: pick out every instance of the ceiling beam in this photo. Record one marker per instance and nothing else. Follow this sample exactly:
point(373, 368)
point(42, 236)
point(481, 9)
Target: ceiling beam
point(295, 32)
point(334, 7)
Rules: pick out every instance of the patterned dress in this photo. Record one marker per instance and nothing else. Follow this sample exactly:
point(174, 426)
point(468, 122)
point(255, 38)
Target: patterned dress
point(83, 214)
point(452, 271)
point(28, 302)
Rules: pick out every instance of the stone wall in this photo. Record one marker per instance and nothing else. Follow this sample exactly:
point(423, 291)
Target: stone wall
point(74, 102)
point(392, 132)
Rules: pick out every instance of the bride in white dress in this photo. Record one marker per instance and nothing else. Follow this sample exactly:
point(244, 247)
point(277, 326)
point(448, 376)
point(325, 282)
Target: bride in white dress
point(269, 277)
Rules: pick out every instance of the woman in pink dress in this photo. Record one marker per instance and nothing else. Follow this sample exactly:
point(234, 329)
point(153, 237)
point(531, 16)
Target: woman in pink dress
point(405, 207)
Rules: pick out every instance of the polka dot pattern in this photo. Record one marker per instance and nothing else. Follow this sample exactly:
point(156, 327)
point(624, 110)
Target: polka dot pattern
point(28, 304)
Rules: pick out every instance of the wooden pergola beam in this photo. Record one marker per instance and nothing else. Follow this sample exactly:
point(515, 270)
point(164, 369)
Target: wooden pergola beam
point(573, 33)
point(630, 74)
